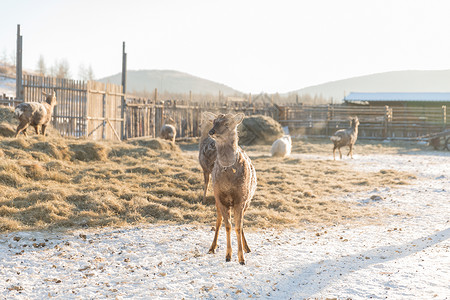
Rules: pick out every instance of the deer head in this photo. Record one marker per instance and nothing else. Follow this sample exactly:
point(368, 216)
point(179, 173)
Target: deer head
point(355, 122)
point(51, 98)
point(225, 126)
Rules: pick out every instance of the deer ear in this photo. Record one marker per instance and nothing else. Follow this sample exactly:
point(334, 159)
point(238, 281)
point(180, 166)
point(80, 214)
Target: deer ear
point(237, 119)
point(208, 116)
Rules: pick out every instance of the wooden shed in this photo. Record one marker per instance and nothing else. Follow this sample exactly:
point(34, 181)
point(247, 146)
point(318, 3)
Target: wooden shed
point(407, 114)
point(399, 99)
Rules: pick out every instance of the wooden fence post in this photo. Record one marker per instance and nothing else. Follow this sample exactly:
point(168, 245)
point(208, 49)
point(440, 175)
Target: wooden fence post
point(104, 116)
point(387, 120)
point(19, 91)
point(124, 90)
point(327, 124)
point(444, 116)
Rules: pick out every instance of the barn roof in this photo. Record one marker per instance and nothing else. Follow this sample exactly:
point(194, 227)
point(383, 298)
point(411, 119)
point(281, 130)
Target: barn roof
point(397, 97)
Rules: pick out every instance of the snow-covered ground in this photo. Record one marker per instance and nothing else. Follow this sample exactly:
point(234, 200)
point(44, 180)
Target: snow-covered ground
point(408, 257)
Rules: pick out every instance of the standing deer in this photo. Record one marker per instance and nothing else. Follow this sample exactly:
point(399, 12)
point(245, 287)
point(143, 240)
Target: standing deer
point(36, 114)
point(345, 137)
point(207, 152)
point(234, 181)
point(168, 130)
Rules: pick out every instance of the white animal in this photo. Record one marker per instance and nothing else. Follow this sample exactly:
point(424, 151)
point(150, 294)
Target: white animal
point(282, 147)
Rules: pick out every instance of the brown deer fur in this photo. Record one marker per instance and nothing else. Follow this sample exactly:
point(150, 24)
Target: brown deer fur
point(207, 151)
point(345, 137)
point(168, 131)
point(234, 181)
point(36, 114)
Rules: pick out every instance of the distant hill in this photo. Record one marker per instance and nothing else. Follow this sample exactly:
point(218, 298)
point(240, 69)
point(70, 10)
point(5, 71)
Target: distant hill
point(397, 81)
point(170, 81)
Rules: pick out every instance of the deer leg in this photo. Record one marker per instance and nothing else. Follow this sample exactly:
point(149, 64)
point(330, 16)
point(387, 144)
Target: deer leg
point(43, 129)
point(340, 153)
point(244, 242)
point(239, 233)
point(350, 152)
point(206, 178)
point(334, 153)
point(36, 128)
point(216, 234)
point(227, 221)
point(22, 128)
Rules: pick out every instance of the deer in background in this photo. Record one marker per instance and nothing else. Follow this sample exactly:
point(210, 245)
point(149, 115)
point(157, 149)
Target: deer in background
point(234, 181)
point(207, 151)
point(168, 130)
point(36, 114)
point(345, 137)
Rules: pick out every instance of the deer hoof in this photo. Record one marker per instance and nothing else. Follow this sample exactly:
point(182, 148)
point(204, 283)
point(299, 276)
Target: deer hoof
point(211, 251)
point(242, 263)
point(227, 259)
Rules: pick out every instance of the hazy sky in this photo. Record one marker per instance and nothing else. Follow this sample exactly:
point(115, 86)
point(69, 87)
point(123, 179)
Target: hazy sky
point(249, 45)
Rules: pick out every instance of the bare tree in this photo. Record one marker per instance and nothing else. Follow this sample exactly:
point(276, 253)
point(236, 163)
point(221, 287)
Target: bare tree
point(60, 69)
point(52, 70)
point(85, 73)
point(90, 73)
point(41, 68)
point(12, 58)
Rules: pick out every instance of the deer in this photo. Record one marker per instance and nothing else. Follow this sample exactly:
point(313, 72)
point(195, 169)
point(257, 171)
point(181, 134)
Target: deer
point(345, 137)
point(36, 114)
point(207, 151)
point(168, 131)
point(234, 181)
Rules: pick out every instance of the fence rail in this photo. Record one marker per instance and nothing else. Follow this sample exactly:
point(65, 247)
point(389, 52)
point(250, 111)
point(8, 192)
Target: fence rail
point(9, 101)
point(376, 122)
point(94, 110)
point(90, 109)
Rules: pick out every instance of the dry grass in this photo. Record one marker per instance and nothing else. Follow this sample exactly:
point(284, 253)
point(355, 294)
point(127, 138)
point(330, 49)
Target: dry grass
point(54, 182)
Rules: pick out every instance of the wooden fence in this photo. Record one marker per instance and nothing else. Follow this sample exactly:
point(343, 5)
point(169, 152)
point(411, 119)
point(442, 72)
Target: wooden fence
point(103, 111)
point(69, 113)
point(376, 122)
point(144, 117)
point(84, 109)
point(94, 110)
point(8, 100)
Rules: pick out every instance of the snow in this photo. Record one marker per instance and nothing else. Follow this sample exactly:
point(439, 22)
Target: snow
point(7, 86)
point(406, 257)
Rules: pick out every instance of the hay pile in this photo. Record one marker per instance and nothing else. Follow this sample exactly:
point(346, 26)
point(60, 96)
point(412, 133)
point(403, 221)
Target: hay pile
point(47, 148)
point(8, 121)
point(259, 130)
point(50, 183)
point(7, 115)
point(155, 144)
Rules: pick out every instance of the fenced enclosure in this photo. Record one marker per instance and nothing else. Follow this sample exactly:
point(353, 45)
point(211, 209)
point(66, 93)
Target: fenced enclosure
point(145, 117)
point(94, 110)
point(376, 122)
point(8, 100)
point(84, 109)
point(69, 113)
